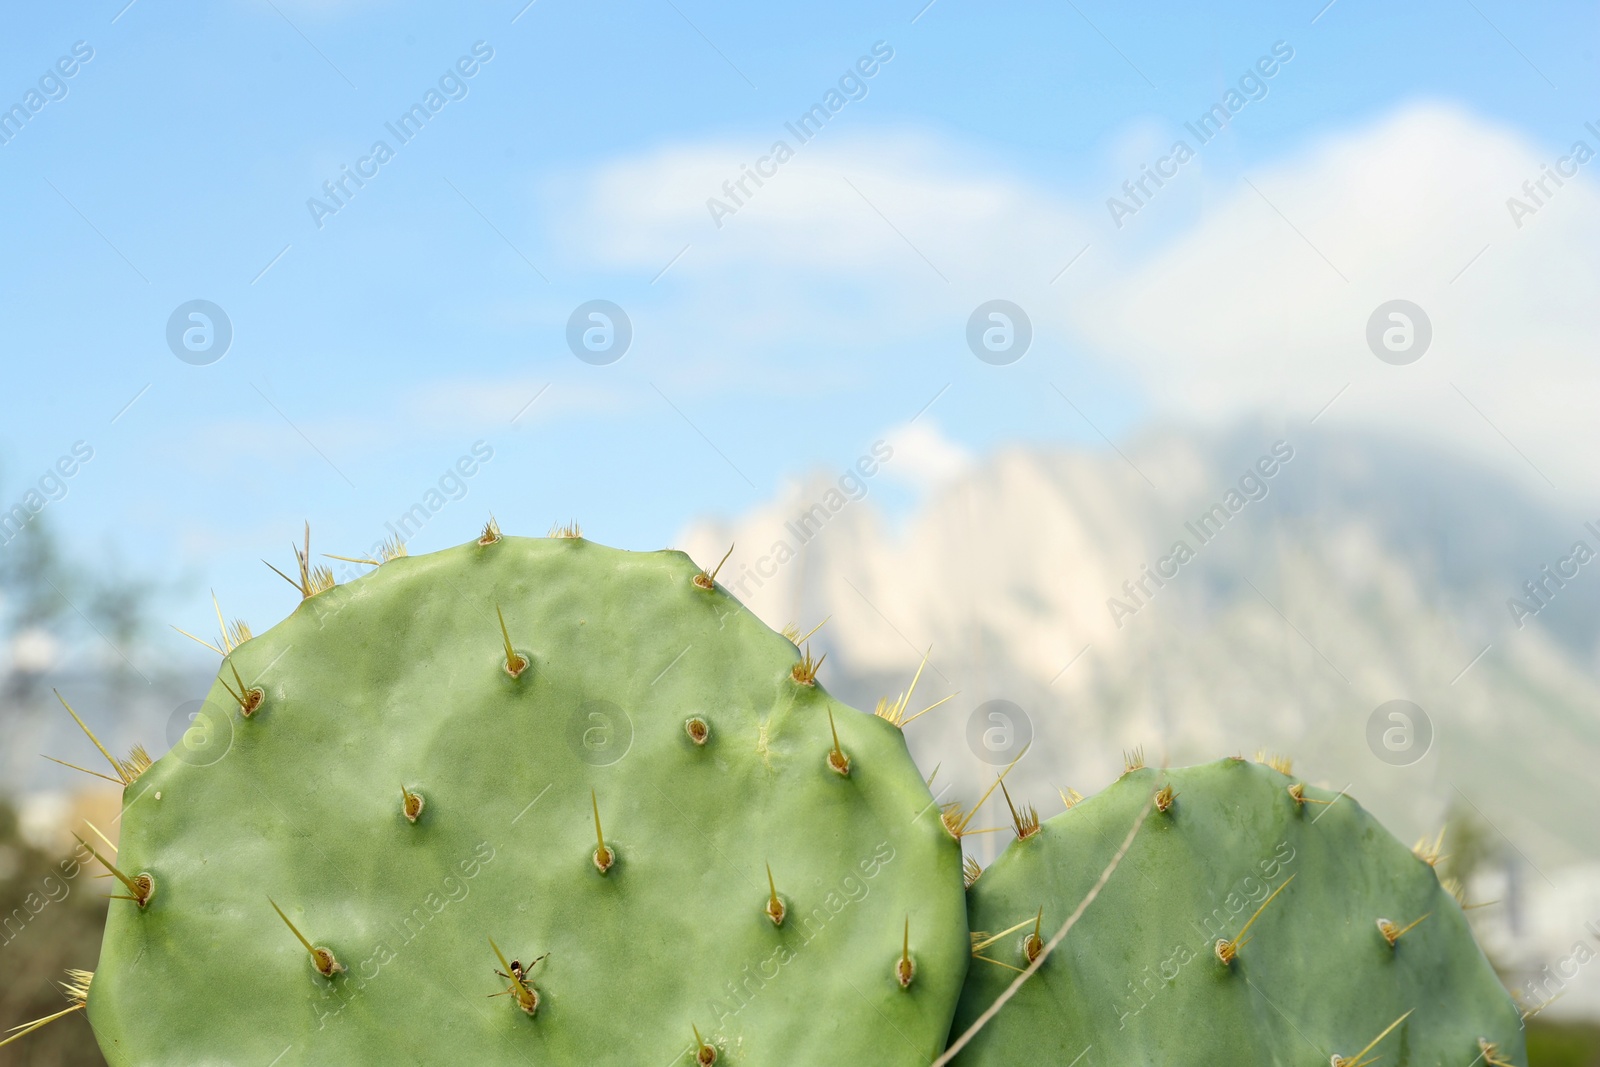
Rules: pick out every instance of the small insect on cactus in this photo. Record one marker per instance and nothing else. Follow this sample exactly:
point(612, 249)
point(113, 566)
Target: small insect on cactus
point(611, 749)
point(521, 989)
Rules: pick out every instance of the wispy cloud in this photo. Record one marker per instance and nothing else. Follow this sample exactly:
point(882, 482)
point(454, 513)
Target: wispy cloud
point(1259, 305)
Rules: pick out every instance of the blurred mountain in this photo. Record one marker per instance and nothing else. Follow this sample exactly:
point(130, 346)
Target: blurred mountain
point(1363, 570)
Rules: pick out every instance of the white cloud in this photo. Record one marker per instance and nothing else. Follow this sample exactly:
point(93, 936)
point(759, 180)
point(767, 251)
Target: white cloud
point(1244, 313)
point(857, 238)
point(1258, 307)
point(820, 211)
point(923, 455)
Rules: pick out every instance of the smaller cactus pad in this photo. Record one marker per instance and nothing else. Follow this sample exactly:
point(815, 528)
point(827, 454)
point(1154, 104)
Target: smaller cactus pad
point(1356, 953)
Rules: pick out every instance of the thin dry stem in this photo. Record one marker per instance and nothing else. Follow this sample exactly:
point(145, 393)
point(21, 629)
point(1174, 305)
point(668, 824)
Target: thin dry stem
point(1050, 946)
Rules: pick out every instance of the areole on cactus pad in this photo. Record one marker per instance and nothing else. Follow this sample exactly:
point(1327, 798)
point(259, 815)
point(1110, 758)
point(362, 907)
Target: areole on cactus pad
point(538, 800)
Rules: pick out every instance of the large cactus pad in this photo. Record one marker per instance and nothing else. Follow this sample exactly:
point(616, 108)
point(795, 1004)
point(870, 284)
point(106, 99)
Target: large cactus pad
point(404, 797)
point(1356, 954)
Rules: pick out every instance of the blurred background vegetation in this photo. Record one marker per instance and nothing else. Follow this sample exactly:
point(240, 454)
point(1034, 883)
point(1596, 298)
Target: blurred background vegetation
point(50, 923)
point(60, 618)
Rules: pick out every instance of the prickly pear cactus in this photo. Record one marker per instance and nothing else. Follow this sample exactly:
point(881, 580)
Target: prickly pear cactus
point(1355, 953)
point(413, 834)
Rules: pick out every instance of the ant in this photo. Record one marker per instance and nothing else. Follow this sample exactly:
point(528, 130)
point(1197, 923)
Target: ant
point(519, 973)
point(521, 989)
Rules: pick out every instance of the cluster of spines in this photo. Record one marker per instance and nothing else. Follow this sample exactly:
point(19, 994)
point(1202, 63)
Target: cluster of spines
point(230, 635)
point(314, 578)
point(393, 548)
point(141, 887)
point(127, 771)
point(894, 711)
point(76, 989)
point(957, 817)
point(1029, 947)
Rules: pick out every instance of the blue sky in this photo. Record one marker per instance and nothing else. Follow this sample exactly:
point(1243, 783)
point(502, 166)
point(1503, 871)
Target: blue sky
point(373, 351)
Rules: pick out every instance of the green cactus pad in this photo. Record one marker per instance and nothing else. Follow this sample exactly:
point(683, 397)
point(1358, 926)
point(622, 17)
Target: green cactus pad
point(663, 704)
point(1138, 980)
